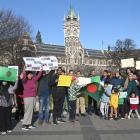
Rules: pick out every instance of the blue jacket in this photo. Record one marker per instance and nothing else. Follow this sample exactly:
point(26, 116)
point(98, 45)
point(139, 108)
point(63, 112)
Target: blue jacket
point(43, 86)
point(117, 82)
point(106, 95)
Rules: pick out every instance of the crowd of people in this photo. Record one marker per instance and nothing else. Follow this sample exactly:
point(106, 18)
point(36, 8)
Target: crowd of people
point(41, 86)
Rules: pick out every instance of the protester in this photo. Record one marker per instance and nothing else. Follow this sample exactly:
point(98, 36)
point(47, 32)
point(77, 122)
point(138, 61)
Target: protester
point(6, 94)
point(80, 102)
point(43, 92)
point(92, 104)
point(72, 92)
point(104, 101)
point(114, 104)
point(19, 99)
point(29, 95)
point(58, 94)
point(128, 72)
point(121, 104)
point(117, 80)
point(133, 107)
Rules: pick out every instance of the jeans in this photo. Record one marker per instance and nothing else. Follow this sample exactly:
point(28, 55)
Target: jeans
point(104, 108)
point(44, 108)
point(72, 111)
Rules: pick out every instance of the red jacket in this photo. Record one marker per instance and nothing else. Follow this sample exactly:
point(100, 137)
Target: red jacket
point(30, 85)
point(133, 106)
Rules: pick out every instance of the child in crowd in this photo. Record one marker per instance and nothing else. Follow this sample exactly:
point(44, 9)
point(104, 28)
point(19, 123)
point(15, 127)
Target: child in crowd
point(133, 106)
point(72, 92)
point(104, 101)
point(121, 105)
point(114, 103)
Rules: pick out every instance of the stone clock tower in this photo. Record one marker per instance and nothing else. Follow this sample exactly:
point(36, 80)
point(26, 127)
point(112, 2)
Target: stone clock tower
point(73, 48)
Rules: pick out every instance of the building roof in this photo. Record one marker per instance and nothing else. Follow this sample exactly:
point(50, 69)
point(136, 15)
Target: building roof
point(59, 51)
point(49, 49)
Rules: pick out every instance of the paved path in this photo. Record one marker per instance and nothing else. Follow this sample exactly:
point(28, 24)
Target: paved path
point(88, 128)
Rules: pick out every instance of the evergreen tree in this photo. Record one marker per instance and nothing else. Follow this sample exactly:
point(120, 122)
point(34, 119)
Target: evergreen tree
point(38, 38)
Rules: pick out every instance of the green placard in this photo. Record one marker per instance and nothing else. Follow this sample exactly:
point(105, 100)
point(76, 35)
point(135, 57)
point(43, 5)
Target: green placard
point(8, 74)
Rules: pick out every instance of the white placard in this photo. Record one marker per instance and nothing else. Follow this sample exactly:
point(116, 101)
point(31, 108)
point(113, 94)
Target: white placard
point(137, 65)
point(49, 62)
point(83, 81)
point(125, 63)
point(14, 67)
point(35, 63)
point(134, 101)
point(123, 95)
point(32, 63)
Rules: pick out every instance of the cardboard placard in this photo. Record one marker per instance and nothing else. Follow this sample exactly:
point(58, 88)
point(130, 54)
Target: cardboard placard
point(8, 74)
point(137, 65)
point(35, 63)
point(64, 81)
point(123, 95)
point(83, 81)
point(126, 63)
point(134, 101)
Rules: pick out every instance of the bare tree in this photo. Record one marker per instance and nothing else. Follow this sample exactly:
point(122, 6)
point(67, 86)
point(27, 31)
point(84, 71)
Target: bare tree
point(121, 50)
point(12, 28)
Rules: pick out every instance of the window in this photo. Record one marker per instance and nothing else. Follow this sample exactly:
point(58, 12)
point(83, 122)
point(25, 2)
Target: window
point(90, 61)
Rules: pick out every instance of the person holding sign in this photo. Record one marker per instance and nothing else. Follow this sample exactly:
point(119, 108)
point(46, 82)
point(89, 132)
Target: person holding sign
point(58, 94)
point(6, 95)
point(43, 92)
point(29, 95)
point(132, 87)
point(134, 101)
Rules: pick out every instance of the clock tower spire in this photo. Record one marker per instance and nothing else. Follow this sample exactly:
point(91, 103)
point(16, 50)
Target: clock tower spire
point(73, 48)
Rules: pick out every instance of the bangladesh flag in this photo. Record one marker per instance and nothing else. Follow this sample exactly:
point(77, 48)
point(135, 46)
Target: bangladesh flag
point(94, 90)
point(8, 74)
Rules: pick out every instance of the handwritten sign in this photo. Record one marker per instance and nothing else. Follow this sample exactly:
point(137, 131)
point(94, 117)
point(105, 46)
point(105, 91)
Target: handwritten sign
point(137, 65)
point(49, 62)
point(134, 101)
point(123, 95)
point(35, 63)
point(125, 63)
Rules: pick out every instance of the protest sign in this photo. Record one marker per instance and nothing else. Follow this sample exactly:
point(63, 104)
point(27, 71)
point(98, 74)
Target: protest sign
point(35, 63)
point(64, 81)
point(49, 62)
point(125, 63)
point(134, 101)
point(14, 67)
point(137, 65)
point(83, 81)
point(32, 63)
point(8, 74)
point(123, 95)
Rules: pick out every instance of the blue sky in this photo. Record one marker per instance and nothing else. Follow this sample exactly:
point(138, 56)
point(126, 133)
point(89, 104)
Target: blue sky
point(106, 20)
